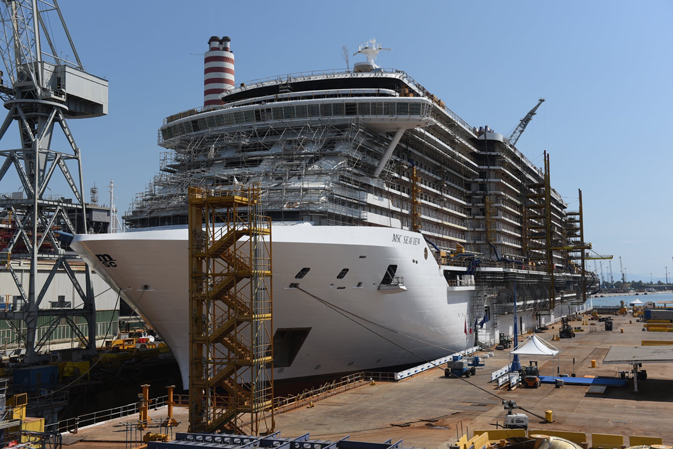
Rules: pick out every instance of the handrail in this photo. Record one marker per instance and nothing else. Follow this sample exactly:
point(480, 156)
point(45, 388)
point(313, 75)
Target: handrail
point(281, 404)
point(72, 425)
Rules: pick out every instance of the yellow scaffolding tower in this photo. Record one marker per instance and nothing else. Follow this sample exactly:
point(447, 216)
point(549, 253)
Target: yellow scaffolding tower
point(231, 350)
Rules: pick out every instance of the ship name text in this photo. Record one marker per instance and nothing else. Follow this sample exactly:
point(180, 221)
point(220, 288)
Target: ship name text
point(107, 260)
point(405, 239)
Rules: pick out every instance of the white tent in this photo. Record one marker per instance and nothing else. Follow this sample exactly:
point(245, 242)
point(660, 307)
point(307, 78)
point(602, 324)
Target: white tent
point(537, 347)
point(637, 302)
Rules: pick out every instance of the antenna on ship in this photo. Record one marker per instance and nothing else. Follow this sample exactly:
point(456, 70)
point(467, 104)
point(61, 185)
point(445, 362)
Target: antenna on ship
point(371, 50)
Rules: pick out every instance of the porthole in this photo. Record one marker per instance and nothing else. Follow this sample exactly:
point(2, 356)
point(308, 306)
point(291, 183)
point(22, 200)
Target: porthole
point(425, 253)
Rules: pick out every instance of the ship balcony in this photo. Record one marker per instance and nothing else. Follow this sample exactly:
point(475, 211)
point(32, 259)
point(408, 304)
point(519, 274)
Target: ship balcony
point(381, 114)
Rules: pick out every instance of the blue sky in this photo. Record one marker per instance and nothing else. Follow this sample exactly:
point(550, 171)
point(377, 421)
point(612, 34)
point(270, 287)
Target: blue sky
point(604, 68)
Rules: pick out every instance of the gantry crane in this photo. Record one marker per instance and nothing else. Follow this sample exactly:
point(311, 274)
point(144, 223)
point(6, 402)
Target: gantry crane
point(514, 138)
point(43, 90)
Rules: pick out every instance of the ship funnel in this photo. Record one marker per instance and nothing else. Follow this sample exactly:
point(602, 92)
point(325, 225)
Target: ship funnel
point(218, 71)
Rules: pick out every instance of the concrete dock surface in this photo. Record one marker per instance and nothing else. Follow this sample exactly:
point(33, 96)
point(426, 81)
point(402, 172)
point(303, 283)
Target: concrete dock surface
point(431, 411)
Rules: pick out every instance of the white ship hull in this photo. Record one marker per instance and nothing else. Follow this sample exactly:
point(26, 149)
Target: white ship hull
point(423, 322)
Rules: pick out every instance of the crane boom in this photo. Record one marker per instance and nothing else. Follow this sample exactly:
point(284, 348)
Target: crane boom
point(514, 138)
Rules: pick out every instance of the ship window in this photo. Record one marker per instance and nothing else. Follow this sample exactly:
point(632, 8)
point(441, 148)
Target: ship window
point(342, 274)
point(314, 110)
point(288, 111)
point(359, 285)
point(415, 109)
point(389, 108)
point(326, 110)
point(341, 288)
point(390, 275)
point(351, 108)
point(286, 345)
point(294, 285)
point(277, 113)
point(301, 111)
point(338, 109)
point(363, 109)
point(302, 273)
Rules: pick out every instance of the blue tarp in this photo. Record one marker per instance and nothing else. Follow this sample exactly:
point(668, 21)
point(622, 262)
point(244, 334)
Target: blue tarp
point(609, 382)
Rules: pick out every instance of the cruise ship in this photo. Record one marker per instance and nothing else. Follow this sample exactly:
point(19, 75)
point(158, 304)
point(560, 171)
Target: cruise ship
point(401, 234)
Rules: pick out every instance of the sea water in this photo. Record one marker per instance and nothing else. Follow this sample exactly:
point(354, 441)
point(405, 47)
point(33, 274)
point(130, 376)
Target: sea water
point(608, 301)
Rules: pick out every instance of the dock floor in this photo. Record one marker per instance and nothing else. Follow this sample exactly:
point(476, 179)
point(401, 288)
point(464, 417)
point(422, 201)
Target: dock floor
point(430, 410)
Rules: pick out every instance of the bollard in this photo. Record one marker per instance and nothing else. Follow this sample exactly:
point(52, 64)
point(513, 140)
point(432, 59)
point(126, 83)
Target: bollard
point(593, 364)
point(170, 421)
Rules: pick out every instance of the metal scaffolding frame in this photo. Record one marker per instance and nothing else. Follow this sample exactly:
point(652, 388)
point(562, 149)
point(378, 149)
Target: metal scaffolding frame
point(231, 323)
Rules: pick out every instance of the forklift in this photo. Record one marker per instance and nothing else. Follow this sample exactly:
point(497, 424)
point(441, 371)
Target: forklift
point(566, 330)
point(530, 375)
point(505, 342)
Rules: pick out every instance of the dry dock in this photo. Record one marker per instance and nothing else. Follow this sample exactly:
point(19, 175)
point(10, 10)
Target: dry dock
point(429, 410)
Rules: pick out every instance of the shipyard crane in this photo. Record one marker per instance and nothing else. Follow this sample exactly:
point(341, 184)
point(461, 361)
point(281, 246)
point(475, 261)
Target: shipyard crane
point(612, 279)
point(621, 268)
point(514, 138)
point(44, 89)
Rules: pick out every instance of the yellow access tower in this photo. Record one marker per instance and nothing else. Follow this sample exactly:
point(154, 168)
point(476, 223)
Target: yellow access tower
point(231, 358)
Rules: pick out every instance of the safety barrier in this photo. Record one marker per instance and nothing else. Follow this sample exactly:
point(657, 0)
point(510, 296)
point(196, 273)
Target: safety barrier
point(330, 389)
point(606, 441)
point(434, 364)
point(502, 434)
point(644, 441)
point(72, 425)
point(575, 437)
point(501, 372)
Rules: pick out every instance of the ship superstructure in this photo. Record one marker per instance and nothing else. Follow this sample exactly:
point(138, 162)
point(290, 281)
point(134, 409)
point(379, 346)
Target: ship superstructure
point(371, 147)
